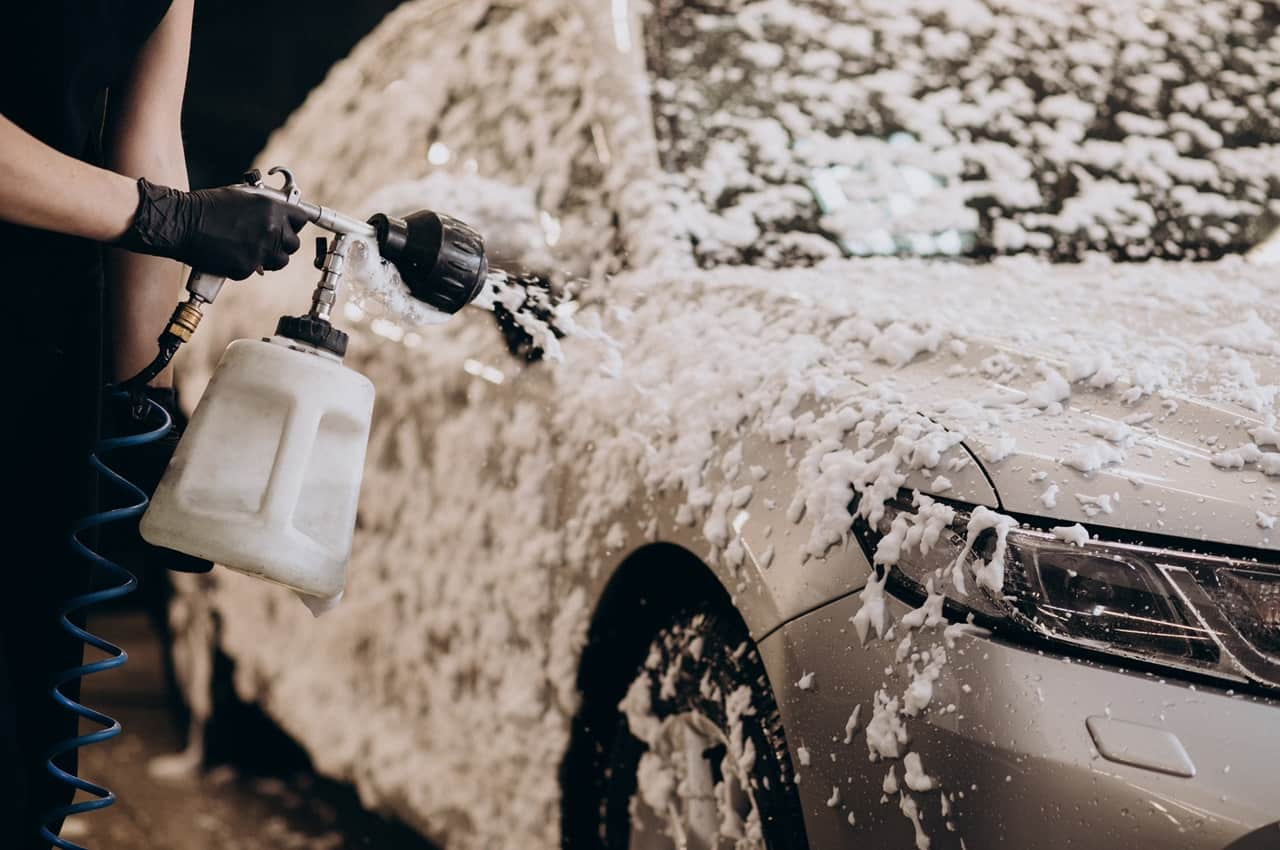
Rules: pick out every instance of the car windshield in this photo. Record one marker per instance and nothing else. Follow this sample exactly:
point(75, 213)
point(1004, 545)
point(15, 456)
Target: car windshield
point(796, 130)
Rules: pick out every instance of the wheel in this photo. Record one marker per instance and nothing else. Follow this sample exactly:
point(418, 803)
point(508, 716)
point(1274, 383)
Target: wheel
point(697, 757)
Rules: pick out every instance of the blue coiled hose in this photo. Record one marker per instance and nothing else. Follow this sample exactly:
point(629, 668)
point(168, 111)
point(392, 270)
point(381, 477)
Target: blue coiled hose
point(118, 656)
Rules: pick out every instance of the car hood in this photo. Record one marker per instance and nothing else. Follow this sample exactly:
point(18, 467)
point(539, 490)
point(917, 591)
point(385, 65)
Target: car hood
point(1147, 409)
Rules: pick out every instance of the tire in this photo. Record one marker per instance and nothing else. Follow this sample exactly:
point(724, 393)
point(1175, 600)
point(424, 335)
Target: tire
point(698, 736)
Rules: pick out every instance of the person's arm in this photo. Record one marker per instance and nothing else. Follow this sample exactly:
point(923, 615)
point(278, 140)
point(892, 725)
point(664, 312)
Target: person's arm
point(43, 188)
point(226, 232)
point(144, 139)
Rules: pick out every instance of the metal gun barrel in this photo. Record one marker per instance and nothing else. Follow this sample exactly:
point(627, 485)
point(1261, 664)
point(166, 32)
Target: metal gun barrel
point(334, 221)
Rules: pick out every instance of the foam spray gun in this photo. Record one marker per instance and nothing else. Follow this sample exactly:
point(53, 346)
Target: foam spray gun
point(266, 478)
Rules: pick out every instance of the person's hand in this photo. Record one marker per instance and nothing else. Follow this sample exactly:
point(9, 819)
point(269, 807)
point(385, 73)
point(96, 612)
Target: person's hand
point(228, 232)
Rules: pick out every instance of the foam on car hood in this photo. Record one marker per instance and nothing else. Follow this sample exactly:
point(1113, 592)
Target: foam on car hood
point(1141, 406)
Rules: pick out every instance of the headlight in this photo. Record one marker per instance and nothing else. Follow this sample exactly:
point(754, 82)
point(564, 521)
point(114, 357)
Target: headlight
point(1211, 615)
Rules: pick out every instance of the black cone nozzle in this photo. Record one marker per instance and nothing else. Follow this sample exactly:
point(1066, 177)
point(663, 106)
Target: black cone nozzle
point(440, 258)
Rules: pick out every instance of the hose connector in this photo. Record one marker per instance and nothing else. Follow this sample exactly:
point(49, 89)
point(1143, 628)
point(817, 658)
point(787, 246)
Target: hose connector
point(185, 319)
point(182, 325)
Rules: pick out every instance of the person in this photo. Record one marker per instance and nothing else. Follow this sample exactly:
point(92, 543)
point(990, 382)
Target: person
point(95, 220)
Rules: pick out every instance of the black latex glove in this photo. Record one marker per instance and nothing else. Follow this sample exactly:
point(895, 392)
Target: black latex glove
point(228, 232)
point(143, 466)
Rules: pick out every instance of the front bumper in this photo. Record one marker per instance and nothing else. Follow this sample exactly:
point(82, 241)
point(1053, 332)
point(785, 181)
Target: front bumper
point(1016, 757)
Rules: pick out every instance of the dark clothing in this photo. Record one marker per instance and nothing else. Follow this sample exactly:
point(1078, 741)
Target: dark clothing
point(58, 60)
point(59, 57)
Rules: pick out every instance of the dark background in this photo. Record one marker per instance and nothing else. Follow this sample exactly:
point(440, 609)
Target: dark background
point(252, 63)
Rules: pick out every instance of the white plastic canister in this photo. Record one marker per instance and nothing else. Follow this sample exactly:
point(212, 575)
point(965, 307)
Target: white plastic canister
point(266, 478)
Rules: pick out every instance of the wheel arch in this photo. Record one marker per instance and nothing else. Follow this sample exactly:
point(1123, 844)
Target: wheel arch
point(650, 586)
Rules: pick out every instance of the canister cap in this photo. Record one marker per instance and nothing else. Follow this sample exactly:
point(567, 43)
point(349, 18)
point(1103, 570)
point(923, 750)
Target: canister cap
point(313, 331)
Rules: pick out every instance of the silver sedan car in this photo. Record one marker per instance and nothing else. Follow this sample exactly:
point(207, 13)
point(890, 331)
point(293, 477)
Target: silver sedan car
point(906, 471)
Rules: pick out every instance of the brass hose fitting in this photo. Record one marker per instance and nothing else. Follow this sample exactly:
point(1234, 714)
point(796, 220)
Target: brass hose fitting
point(182, 324)
point(185, 319)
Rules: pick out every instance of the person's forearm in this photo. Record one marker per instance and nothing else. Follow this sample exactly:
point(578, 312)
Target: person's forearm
point(44, 188)
point(144, 139)
point(143, 289)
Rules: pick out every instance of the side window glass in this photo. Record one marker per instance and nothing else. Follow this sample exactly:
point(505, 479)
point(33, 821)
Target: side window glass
point(520, 110)
point(503, 91)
